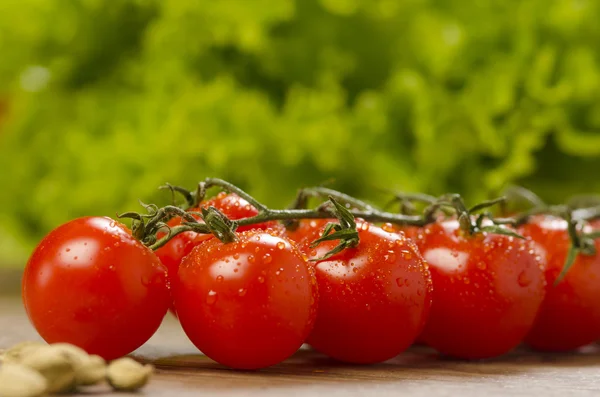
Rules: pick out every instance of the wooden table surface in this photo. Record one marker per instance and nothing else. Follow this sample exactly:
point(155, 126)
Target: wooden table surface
point(183, 371)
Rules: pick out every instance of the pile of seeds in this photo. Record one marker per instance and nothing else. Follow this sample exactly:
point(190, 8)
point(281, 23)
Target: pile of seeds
point(31, 369)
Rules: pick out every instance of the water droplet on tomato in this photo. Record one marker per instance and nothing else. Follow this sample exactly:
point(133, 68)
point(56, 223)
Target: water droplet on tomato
point(407, 254)
point(481, 265)
point(354, 270)
point(220, 279)
point(267, 258)
point(466, 280)
point(261, 279)
point(75, 258)
point(281, 245)
point(211, 298)
point(251, 258)
point(236, 270)
point(242, 291)
point(524, 279)
point(257, 238)
point(364, 227)
point(399, 282)
point(68, 250)
point(388, 227)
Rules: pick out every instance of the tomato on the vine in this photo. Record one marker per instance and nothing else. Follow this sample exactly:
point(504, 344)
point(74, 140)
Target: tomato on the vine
point(373, 298)
point(91, 284)
point(487, 289)
point(231, 205)
point(570, 314)
point(247, 304)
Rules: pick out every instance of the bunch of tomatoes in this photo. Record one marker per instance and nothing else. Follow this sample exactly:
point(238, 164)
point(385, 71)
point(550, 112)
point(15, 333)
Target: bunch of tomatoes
point(251, 301)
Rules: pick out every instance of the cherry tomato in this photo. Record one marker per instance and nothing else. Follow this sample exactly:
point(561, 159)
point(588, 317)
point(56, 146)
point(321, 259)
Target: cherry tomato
point(91, 284)
point(247, 304)
point(232, 205)
point(373, 299)
point(570, 314)
point(487, 289)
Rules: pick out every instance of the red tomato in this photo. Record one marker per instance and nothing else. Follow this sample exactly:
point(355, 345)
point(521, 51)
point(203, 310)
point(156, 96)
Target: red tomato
point(247, 304)
point(90, 283)
point(487, 289)
point(570, 314)
point(232, 205)
point(373, 299)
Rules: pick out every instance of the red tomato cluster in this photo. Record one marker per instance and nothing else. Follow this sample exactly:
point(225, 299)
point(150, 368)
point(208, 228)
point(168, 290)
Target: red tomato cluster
point(253, 302)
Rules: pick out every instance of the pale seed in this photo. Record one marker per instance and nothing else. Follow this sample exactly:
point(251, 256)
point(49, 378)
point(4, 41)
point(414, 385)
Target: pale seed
point(89, 370)
point(17, 380)
point(15, 353)
point(54, 365)
point(126, 374)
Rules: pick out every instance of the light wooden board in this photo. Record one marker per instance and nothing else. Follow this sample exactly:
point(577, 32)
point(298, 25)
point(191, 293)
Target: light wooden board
point(183, 371)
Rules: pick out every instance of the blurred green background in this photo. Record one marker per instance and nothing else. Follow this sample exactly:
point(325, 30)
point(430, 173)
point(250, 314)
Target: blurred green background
point(103, 101)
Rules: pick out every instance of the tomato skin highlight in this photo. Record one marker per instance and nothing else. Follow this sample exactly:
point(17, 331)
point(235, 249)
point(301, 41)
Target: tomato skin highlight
point(373, 299)
point(91, 284)
point(487, 290)
point(248, 304)
point(570, 314)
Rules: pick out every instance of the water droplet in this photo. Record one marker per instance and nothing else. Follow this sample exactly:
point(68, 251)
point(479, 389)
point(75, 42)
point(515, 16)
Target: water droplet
point(242, 291)
point(406, 254)
point(466, 280)
point(354, 270)
point(281, 245)
point(211, 298)
point(481, 265)
point(219, 279)
point(267, 258)
point(75, 258)
point(236, 270)
point(261, 279)
point(407, 282)
point(257, 238)
point(399, 282)
point(251, 258)
point(236, 256)
point(388, 227)
point(524, 279)
point(68, 249)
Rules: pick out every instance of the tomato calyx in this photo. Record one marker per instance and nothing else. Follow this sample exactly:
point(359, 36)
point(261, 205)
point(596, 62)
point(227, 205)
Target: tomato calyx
point(222, 227)
point(471, 224)
point(345, 231)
